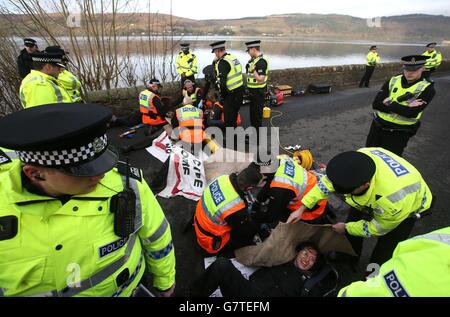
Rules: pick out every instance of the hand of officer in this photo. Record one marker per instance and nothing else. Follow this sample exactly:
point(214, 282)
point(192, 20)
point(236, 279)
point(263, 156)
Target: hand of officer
point(339, 228)
point(387, 101)
point(168, 293)
point(416, 103)
point(296, 215)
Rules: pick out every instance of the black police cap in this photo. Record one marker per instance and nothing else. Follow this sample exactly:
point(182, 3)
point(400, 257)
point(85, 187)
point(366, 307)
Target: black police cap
point(71, 137)
point(414, 62)
point(373, 47)
point(350, 170)
point(431, 45)
point(185, 45)
point(49, 58)
point(217, 45)
point(29, 42)
point(252, 44)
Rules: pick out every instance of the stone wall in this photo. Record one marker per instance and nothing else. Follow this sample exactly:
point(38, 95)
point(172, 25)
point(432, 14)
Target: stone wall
point(124, 100)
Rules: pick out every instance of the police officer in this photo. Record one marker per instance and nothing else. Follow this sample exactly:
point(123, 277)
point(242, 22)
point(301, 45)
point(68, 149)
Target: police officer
point(229, 82)
point(399, 106)
point(187, 64)
point(24, 61)
point(381, 183)
point(40, 86)
point(222, 221)
point(418, 268)
point(187, 124)
point(66, 79)
point(154, 113)
point(434, 60)
point(257, 77)
point(373, 58)
point(70, 223)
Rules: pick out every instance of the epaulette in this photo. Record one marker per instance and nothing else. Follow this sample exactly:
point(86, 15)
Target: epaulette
point(135, 173)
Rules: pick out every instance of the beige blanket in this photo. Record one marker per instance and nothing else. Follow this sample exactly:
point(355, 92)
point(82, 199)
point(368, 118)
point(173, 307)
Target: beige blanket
point(279, 248)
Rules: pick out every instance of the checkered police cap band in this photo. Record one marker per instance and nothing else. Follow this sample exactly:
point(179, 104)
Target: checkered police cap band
point(62, 158)
point(47, 60)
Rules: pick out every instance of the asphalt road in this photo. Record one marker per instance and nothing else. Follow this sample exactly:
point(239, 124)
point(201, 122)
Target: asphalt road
point(328, 125)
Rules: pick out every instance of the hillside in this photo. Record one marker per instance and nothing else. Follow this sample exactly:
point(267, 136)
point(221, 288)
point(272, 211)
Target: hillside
point(416, 27)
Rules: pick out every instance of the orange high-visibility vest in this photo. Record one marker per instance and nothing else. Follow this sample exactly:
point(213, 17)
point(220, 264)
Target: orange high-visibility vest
point(190, 124)
point(292, 176)
point(219, 201)
point(147, 107)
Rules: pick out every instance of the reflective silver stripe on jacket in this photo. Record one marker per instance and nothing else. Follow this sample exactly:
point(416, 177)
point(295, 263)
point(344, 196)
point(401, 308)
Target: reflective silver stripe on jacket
point(97, 278)
point(158, 233)
point(402, 193)
point(211, 217)
point(392, 83)
point(134, 187)
point(379, 228)
point(74, 83)
point(216, 218)
point(58, 93)
point(438, 237)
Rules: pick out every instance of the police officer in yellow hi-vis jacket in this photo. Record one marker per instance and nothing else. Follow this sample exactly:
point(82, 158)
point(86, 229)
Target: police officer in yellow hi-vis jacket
point(41, 86)
point(373, 58)
point(418, 268)
point(399, 105)
point(187, 64)
point(71, 224)
point(377, 182)
point(434, 60)
point(66, 79)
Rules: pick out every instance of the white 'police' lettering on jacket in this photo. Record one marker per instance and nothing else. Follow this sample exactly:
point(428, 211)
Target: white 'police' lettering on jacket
point(394, 285)
point(395, 166)
point(112, 247)
point(216, 193)
point(289, 169)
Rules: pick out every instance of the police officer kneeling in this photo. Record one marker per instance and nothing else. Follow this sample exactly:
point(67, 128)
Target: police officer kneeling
point(378, 181)
point(72, 224)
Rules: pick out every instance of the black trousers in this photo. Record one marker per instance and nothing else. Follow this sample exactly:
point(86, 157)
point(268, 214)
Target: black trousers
point(232, 102)
point(427, 74)
point(367, 76)
point(223, 274)
point(257, 99)
point(385, 244)
point(392, 140)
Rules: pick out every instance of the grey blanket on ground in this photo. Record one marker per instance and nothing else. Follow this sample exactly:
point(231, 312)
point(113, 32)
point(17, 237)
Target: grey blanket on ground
point(279, 247)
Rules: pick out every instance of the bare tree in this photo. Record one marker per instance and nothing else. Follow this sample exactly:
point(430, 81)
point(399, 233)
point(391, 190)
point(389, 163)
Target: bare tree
point(103, 53)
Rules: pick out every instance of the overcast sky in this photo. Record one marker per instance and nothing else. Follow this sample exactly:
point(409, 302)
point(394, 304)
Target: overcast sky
point(210, 9)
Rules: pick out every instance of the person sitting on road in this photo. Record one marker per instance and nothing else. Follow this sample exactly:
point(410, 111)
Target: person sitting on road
point(190, 90)
point(286, 280)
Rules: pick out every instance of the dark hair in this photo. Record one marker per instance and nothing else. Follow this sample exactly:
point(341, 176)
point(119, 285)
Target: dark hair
point(320, 260)
point(249, 177)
